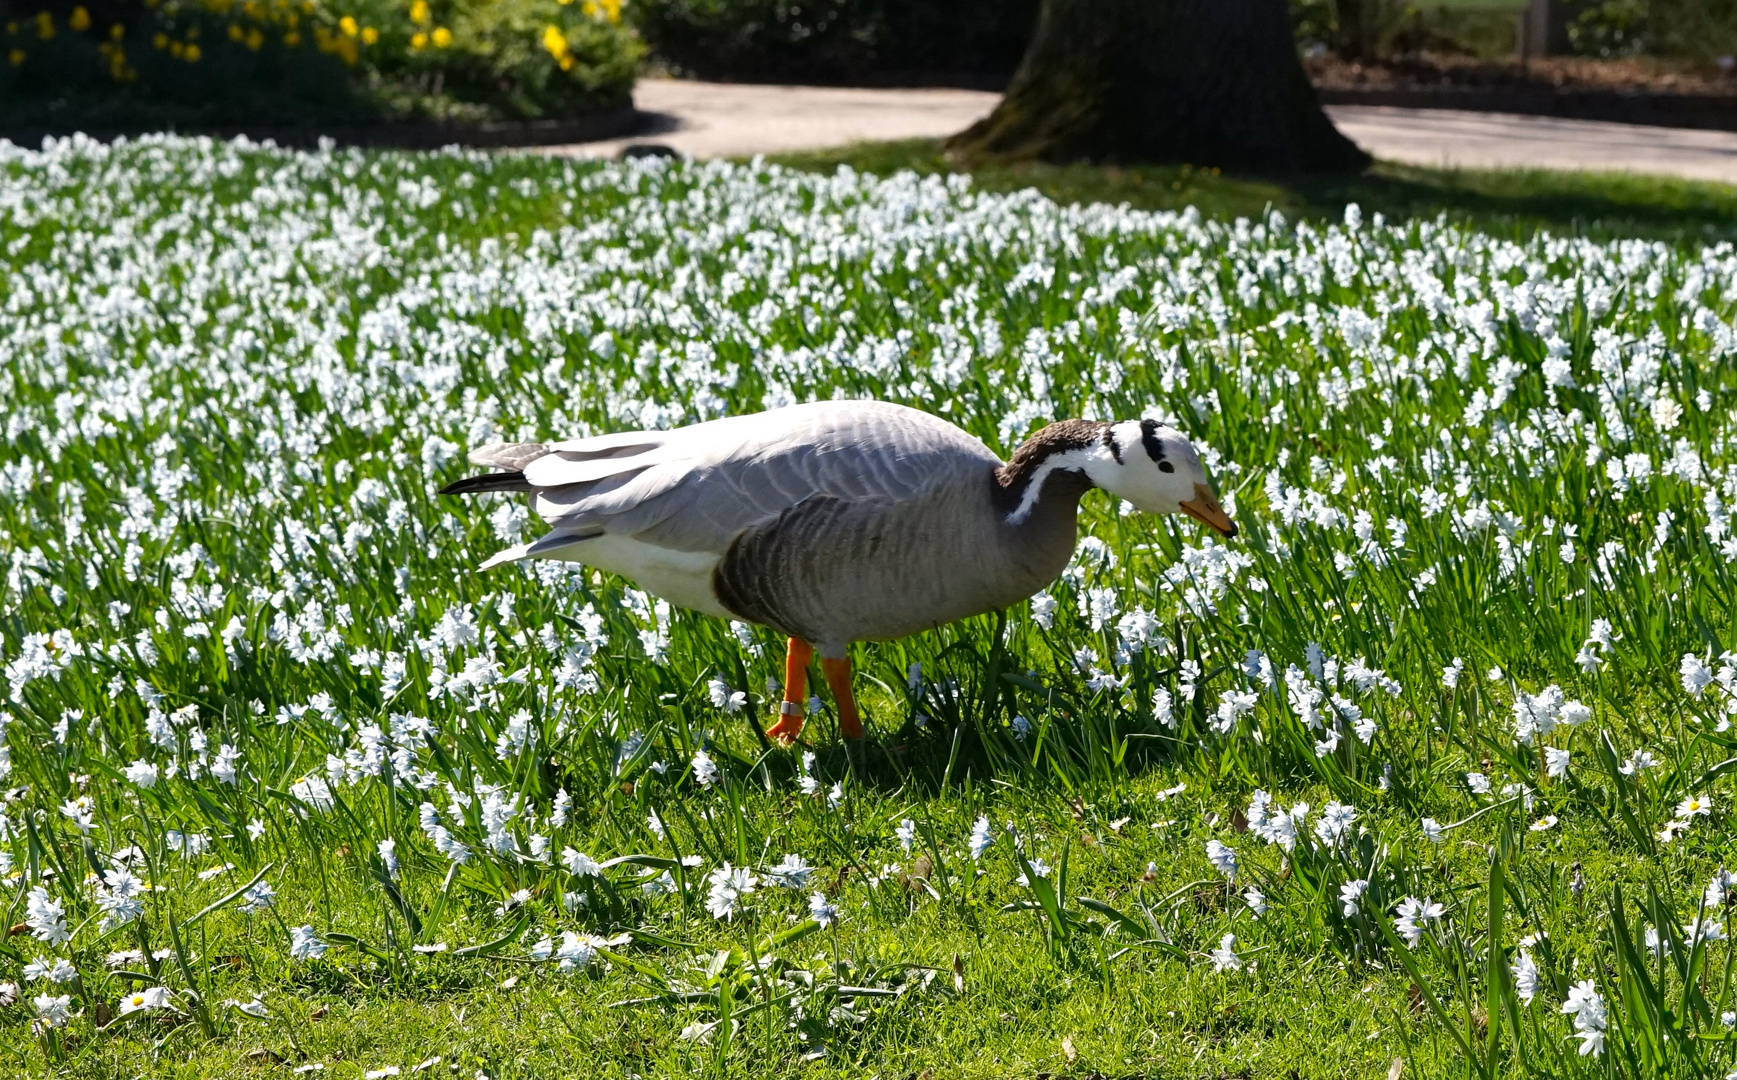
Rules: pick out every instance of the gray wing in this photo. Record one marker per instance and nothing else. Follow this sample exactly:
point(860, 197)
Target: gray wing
point(698, 488)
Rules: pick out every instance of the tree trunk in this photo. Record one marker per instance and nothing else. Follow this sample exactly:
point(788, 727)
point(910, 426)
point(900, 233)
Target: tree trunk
point(1206, 82)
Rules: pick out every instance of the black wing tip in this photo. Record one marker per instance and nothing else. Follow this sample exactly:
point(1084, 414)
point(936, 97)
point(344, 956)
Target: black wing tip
point(496, 481)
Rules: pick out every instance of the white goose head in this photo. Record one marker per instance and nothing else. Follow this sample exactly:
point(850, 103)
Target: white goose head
point(1158, 470)
point(1154, 467)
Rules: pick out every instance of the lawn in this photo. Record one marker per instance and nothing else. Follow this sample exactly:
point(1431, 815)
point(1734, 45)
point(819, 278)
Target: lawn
point(1508, 203)
point(1431, 762)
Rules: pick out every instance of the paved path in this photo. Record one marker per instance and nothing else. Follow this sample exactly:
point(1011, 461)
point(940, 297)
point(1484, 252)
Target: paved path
point(738, 120)
point(741, 119)
point(1475, 140)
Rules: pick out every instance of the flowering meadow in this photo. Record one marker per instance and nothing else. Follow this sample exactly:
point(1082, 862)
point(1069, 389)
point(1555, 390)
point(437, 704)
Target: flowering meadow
point(1431, 762)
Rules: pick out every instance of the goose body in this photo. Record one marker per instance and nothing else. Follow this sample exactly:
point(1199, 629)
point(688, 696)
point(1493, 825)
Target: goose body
point(836, 521)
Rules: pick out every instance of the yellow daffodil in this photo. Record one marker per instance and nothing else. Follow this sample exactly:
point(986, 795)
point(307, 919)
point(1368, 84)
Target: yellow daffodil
point(419, 40)
point(370, 35)
point(80, 20)
point(554, 41)
point(348, 25)
point(419, 11)
point(442, 37)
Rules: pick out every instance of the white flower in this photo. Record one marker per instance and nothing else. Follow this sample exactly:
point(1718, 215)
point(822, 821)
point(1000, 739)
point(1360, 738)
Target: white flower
point(45, 917)
point(1256, 901)
point(576, 951)
point(305, 944)
point(1666, 413)
point(258, 897)
point(1478, 782)
point(705, 771)
point(1587, 1007)
point(731, 701)
point(1526, 977)
point(1043, 607)
point(155, 997)
point(1335, 823)
point(1224, 958)
point(982, 837)
point(1349, 894)
point(54, 1011)
point(1413, 915)
point(1223, 859)
point(254, 1008)
point(1431, 830)
point(792, 873)
point(388, 849)
point(1696, 675)
point(54, 969)
point(580, 864)
point(1694, 806)
point(1548, 821)
point(728, 886)
point(1556, 762)
point(907, 834)
point(142, 773)
point(1718, 889)
point(820, 911)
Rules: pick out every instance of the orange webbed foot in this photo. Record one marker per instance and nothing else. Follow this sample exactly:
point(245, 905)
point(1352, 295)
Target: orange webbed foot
point(790, 713)
point(838, 679)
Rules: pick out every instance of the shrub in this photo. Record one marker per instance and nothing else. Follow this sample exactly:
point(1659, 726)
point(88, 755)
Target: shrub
point(839, 40)
point(117, 63)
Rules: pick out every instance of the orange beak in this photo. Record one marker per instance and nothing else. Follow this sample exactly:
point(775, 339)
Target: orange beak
point(1205, 508)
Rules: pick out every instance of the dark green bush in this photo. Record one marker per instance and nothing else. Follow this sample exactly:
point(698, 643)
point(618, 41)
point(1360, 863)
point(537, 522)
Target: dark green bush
point(191, 63)
point(839, 41)
point(1696, 30)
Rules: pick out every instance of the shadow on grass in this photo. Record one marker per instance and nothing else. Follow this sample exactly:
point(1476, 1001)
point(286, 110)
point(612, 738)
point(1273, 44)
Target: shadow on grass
point(1514, 202)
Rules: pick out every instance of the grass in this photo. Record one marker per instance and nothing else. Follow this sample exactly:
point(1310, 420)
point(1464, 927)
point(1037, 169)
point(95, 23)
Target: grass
point(1483, 479)
point(1509, 203)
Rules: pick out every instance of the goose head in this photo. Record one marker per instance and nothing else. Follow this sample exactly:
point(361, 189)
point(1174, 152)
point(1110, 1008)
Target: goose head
point(1154, 467)
point(1157, 469)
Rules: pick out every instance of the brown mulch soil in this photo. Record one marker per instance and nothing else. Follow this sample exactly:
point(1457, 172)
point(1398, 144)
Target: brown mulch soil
point(1422, 70)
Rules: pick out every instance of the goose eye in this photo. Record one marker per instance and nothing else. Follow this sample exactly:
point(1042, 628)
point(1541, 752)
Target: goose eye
point(1165, 466)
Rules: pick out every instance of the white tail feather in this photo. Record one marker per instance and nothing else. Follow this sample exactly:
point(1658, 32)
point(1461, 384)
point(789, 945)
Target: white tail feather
point(507, 555)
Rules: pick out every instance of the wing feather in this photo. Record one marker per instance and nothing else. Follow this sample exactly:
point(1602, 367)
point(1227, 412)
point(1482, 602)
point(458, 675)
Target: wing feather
point(698, 488)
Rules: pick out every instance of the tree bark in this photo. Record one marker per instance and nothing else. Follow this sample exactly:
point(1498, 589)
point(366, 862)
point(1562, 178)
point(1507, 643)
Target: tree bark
point(1206, 82)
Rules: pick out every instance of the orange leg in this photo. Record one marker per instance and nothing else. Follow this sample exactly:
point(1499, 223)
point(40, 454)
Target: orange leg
point(838, 678)
point(790, 714)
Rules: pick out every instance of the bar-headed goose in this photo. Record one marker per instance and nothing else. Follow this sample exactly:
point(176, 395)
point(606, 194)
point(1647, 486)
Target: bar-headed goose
point(837, 521)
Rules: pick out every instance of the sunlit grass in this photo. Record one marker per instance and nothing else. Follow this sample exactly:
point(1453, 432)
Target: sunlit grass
point(236, 377)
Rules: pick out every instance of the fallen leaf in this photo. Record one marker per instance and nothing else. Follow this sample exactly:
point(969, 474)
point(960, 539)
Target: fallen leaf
point(1068, 1050)
point(958, 974)
point(1396, 1068)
